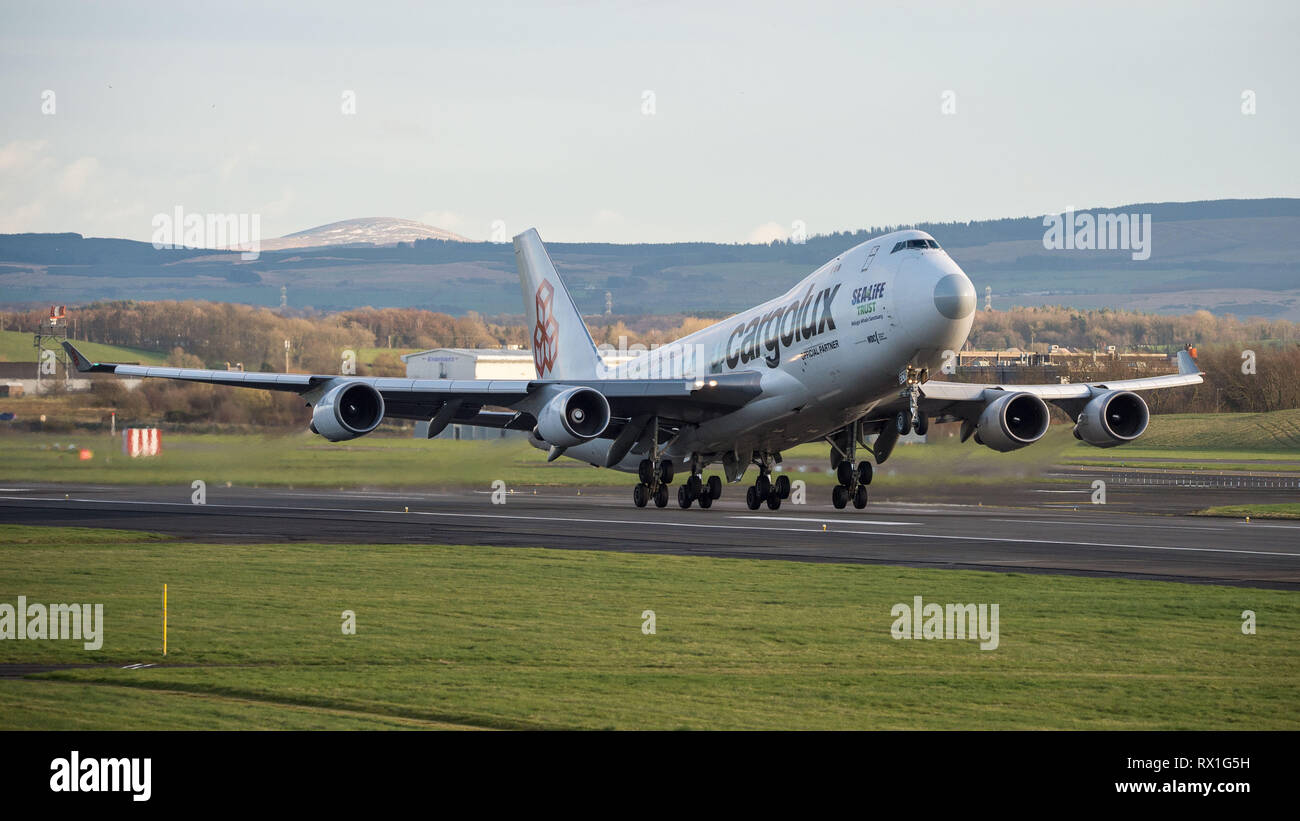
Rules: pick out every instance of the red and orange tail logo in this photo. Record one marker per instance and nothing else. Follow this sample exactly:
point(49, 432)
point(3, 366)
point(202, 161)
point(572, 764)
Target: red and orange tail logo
point(546, 334)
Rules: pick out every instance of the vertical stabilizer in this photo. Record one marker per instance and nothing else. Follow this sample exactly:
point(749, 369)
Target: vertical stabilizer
point(562, 345)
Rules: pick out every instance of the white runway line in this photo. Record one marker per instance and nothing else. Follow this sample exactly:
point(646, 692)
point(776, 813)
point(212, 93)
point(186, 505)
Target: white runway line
point(812, 518)
point(840, 530)
point(1047, 520)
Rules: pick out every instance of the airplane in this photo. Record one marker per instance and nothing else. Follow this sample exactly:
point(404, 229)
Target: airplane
point(843, 356)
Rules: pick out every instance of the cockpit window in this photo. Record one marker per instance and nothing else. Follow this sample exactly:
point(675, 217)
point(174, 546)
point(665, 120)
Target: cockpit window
point(915, 243)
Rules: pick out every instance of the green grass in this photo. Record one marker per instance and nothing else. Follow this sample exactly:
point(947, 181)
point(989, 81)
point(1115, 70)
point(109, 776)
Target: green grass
point(16, 346)
point(1284, 510)
point(301, 459)
point(1205, 441)
point(532, 638)
point(305, 460)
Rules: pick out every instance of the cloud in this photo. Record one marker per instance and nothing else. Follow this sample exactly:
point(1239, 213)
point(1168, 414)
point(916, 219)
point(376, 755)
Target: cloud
point(767, 232)
point(75, 176)
point(446, 220)
point(23, 155)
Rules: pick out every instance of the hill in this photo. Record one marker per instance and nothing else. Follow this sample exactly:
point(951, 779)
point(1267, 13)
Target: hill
point(376, 231)
point(1226, 256)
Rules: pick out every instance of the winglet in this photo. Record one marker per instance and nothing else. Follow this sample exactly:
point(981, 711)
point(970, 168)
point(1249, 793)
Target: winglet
point(1187, 366)
point(83, 364)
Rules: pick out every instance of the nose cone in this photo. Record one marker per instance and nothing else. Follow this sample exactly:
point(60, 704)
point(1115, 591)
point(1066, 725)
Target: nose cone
point(936, 307)
point(954, 296)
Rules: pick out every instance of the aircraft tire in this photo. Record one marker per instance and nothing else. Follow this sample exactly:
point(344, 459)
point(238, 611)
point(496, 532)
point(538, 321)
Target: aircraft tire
point(782, 487)
point(715, 487)
point(845, 473)
point(840, 497)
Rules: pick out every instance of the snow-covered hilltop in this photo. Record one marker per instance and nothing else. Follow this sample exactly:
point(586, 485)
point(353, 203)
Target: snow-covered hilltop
point(366, 230)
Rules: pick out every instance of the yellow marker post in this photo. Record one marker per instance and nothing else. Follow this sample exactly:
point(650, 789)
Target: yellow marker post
point(164, 619)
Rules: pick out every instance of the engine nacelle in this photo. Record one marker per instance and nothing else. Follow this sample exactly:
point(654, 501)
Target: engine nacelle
point(347, 411)
point(1012, 421)
point(573, 416)
point(1111, 419)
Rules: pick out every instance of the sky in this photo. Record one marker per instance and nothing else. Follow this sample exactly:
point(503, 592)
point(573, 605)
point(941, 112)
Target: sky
point(636, 122)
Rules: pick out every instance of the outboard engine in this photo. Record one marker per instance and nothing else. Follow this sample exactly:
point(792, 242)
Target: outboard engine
point(347, 411)
point(1111, 419)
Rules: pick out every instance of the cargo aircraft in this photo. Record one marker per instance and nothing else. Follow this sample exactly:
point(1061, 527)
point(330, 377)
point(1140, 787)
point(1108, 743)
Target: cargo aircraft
point(845, 356)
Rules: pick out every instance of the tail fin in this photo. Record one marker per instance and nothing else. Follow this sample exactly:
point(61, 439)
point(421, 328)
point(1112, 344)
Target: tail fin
point(561, 343)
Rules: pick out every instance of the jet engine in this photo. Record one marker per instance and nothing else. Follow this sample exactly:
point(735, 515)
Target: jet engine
point(1012, 421)
point(1111, 419)
point(573, 416)
point(347, 411)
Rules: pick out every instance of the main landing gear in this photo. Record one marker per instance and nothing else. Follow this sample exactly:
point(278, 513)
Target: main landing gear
point(853, 480)
point(764, 488)
point(655, 478)
point(695, 489)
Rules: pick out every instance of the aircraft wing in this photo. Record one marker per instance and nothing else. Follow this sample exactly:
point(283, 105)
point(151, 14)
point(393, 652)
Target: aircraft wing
point(940, 396)
point(673, 400)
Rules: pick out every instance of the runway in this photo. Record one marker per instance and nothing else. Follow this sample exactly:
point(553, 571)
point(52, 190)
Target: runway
point(1089, 540)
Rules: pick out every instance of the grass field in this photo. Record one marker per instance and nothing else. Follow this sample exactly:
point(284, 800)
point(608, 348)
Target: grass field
point(1223, 441)
point(532, 638)
point(394, 460)
point(1284, 510)
point(305, 460)
point(16, 346)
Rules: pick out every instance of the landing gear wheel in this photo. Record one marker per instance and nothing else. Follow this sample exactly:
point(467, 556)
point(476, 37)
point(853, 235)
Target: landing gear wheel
point(666, 472)
point(865, 472)
point(640, 495)
point(752, 499)
point(860, 497)
point(661, 496)
point(774, 501)
point(715, 487)
point(840, 497)
point(763, 487)
point(706, 501)
point(844, 473)
point(694, 486)
point(903, 422)
point(922, 424)
point(645, 471)
point(683, 497)
point(782, 487)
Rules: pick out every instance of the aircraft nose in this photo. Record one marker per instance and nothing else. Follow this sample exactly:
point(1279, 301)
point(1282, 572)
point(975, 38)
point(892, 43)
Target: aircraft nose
point(954, 296)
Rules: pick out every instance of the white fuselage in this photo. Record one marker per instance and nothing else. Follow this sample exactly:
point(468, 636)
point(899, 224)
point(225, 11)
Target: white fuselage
point(830, 349)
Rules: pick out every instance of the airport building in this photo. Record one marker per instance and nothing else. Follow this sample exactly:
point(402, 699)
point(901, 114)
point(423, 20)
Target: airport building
point(470, 363)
